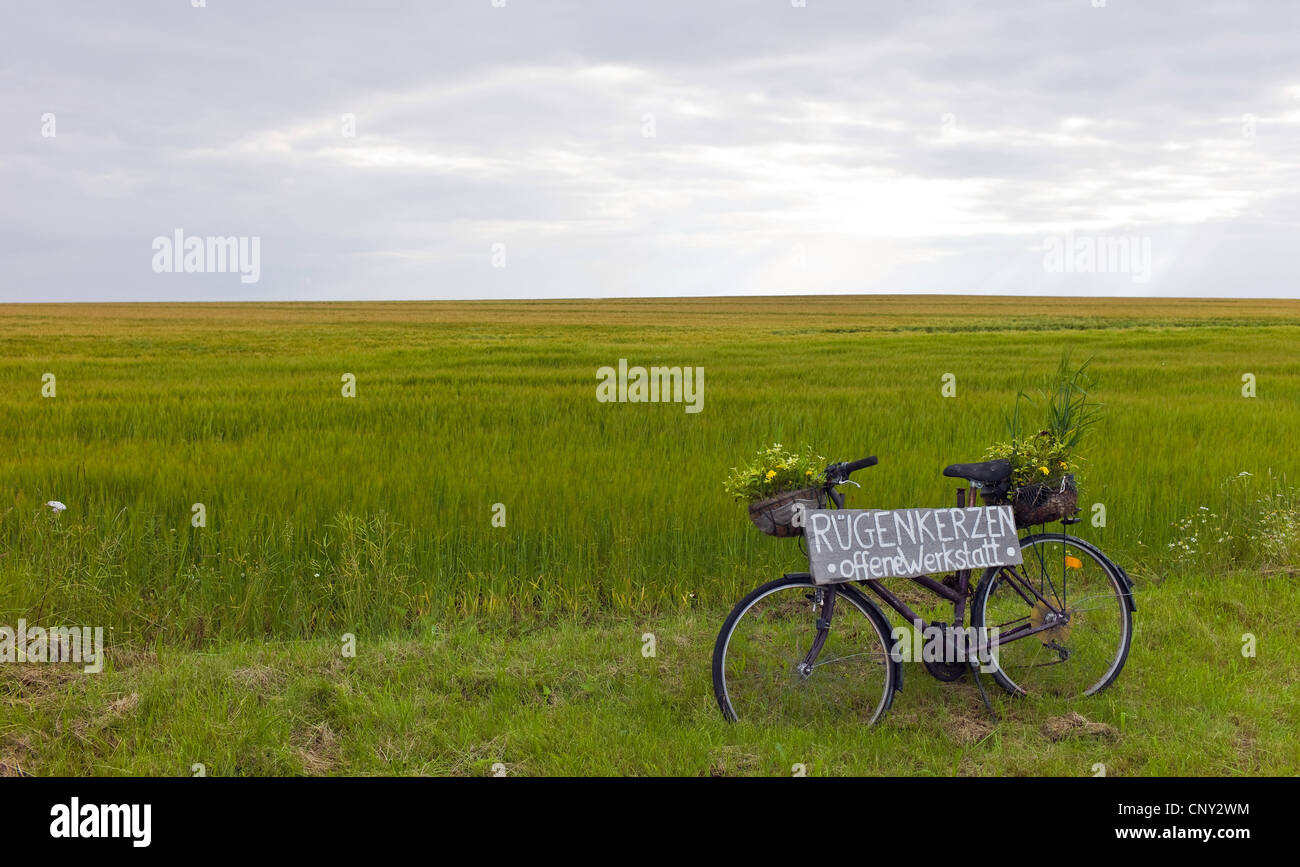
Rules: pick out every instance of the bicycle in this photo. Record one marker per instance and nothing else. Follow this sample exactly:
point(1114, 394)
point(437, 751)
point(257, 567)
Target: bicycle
point(793, 649)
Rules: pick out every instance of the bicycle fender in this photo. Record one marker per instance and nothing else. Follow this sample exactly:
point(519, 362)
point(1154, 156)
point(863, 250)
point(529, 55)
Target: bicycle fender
point(1128, 582)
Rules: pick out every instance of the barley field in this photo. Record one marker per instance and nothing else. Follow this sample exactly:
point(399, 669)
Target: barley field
point(374, 514)
point(324, 512)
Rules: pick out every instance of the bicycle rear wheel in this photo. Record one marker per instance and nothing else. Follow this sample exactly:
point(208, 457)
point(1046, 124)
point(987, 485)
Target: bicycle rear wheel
point(792, 652)
point(1084, 653)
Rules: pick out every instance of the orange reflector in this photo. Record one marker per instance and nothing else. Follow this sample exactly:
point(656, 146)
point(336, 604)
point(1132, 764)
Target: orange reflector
point(1074, 562)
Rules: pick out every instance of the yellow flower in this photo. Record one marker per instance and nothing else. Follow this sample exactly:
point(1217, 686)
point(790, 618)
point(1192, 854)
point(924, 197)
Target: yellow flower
point(771, 474)
point(1045, 471)
point(1064, 465)
point(807, 472)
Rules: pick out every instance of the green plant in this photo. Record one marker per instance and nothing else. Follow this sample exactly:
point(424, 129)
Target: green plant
point(774, 471)
point(1068, 414)
point(1041, 458)
point(1254, 523)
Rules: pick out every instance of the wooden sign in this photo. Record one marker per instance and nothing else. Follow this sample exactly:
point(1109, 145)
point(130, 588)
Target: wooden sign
point(858, 544)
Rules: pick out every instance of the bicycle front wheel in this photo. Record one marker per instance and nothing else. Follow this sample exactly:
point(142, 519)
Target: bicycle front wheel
point(793, 652)
point(1080, 653)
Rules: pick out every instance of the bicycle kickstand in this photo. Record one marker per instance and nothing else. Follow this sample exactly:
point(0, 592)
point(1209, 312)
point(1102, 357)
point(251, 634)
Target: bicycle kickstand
point(988, 705)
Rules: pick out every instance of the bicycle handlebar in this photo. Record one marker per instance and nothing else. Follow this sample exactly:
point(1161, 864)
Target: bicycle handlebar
point(837, 473)
point(861, 464)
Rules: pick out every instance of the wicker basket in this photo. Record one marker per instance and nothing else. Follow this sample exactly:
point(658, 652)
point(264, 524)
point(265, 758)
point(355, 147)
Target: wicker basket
point(775, 515)
point(1042, 504)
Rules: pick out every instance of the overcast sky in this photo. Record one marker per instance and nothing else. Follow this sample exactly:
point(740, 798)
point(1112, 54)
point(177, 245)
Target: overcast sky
point(650, 147)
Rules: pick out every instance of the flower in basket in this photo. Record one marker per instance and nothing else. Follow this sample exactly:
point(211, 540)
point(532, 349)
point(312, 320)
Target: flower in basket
point(777, 484)
point(1041, 459)
point(774, 470)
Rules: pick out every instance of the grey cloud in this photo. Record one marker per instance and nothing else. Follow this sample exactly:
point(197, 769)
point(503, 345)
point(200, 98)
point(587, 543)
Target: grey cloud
point(901, 146)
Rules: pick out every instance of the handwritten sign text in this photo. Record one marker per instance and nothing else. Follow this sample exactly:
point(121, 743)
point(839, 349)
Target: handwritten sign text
point(865, 544)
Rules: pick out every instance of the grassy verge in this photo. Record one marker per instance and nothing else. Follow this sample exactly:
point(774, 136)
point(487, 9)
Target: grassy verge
point(579, 697)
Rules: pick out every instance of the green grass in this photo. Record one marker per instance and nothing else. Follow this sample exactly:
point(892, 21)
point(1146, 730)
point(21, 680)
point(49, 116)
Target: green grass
point(580, 698)
point(373, 516)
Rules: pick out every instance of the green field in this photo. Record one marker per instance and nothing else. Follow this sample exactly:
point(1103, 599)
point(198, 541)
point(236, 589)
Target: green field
point(373, 515)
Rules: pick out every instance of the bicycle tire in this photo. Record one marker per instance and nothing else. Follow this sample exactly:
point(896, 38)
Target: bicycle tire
point(794, 580)
point(1119, 584)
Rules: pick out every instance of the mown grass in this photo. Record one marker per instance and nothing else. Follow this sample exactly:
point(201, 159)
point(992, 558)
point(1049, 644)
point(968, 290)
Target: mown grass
point(581, 698)
point(374, 514)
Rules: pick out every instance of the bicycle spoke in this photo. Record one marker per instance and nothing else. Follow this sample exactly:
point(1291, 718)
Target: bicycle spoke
point(872, 654)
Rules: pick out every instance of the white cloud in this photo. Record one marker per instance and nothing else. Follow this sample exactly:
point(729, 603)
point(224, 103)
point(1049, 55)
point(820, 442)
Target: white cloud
point(838, 147)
